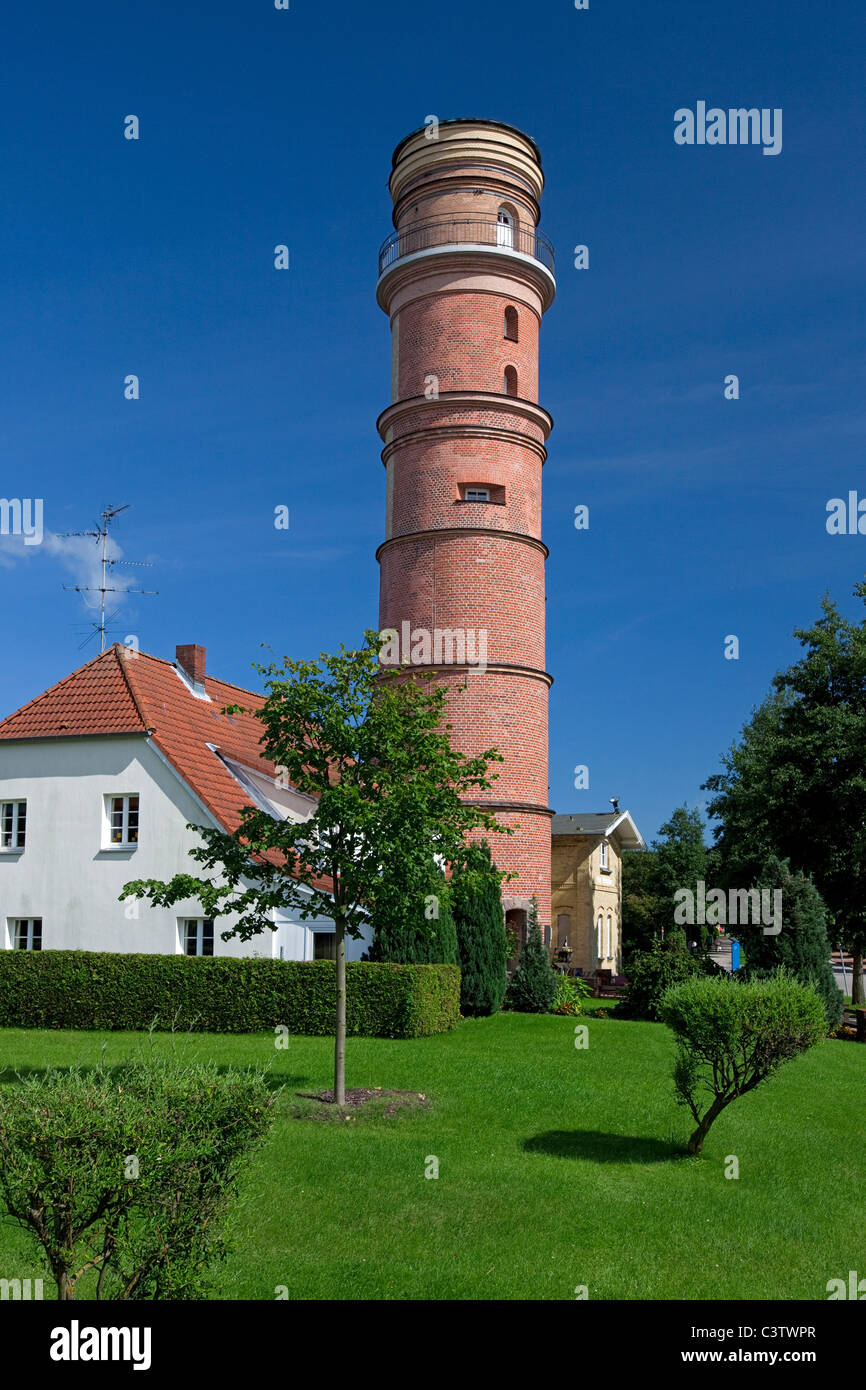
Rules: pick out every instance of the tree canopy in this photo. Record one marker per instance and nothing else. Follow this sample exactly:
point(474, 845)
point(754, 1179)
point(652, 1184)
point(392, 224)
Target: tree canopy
point(372, 748)
point(795, 783)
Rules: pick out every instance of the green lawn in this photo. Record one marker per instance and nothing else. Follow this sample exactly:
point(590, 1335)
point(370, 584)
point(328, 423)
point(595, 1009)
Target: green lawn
point(557, 1168)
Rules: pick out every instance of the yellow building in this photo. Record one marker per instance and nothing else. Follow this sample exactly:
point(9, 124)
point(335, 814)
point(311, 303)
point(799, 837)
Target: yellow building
point(586, 887)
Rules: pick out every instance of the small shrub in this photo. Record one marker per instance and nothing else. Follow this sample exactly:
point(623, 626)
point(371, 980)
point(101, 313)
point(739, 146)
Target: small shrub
point(732, 1036)
point(571, 991)
point(533, 985)
point(129, 1172)
point(653, 972)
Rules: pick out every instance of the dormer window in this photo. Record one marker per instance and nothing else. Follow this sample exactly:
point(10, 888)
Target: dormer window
point(477, 494)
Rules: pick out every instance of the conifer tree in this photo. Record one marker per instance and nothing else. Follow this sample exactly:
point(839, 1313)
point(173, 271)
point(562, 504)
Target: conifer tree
point(420, 932)
point(533, 984)
point(478, 917)
point(802, 946)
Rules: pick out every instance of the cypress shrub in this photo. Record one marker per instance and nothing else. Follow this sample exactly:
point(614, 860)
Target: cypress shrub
point(222, 994)
point(423, 934)
point(533, 984)
point(480, 922)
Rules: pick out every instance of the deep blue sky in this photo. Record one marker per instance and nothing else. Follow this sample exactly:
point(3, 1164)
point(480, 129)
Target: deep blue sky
point(262, 387)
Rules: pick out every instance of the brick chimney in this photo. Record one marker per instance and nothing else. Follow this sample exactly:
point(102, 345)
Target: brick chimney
point(191, 660)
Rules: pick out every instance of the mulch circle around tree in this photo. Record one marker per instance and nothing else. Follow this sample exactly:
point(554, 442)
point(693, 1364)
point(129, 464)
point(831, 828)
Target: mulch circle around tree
point(357, 1097)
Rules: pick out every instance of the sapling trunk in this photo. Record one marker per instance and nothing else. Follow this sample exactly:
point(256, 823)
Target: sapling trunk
point(340, 1034)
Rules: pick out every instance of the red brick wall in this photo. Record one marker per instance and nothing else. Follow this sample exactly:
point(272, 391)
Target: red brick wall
point(460, 338)
point(448, 319)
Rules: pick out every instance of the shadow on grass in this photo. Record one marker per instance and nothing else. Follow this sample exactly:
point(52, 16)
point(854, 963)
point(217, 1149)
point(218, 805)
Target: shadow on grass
point(603, 1148)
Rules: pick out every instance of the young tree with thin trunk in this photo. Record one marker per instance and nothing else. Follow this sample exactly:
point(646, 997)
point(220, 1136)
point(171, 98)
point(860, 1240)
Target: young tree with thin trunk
point(731, 1037)
point(372, 747)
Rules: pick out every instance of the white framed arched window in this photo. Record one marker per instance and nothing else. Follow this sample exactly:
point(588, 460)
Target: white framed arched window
point(609, 942)
point(504, 228)
point(599, 926)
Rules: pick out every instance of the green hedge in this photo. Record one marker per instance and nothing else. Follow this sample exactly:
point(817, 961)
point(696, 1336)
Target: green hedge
point(92, 989)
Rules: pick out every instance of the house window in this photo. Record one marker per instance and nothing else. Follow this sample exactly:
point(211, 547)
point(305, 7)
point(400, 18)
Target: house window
point(599, 927)
point(13, 824)
point(511, 381)
point(197, 936)
point(324, 945)
point(511, 323)
point(122, 820)
point(504, 228)
point(477, 494)
point(608, 945)
point(27, 933)
point(604, 855)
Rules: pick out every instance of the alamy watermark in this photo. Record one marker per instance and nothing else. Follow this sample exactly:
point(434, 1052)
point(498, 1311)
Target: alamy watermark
point(22, 516)
point(739, 907)
point(736, 126)
point(443, 646)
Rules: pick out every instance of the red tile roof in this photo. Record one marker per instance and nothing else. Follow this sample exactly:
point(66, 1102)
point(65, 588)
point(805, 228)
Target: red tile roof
point(124, 692)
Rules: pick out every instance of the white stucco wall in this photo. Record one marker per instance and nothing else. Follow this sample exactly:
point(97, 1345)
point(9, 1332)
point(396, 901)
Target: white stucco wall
point(66, 876)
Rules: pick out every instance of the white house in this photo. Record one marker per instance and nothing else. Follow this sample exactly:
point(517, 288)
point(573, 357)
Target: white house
point(99, 778)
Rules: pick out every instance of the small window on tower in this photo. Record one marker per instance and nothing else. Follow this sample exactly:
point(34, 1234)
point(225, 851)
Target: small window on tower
point(505, 227)
point(511, 323)
point(478, 494)
point(511, 381)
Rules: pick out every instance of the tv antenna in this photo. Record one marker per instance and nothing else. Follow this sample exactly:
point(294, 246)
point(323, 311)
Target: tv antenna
point(100, 536)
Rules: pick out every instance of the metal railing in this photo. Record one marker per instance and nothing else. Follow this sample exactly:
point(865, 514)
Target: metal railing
point(459, 231)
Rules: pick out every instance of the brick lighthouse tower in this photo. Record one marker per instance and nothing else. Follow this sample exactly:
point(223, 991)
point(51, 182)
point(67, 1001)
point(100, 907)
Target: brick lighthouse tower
point(465, 279)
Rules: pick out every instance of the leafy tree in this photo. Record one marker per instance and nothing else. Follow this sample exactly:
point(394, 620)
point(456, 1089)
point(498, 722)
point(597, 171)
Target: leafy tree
point(801, 946)
point(795, 784)
point(480, 924)
point(533, 984)
point(644, 910)
point(423, 933)
point(129, 1172)
point(679, 858)
point(732, 1036)
point(373, 750)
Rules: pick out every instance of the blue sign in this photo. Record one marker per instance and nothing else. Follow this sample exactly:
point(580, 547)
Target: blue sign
point(735, 955)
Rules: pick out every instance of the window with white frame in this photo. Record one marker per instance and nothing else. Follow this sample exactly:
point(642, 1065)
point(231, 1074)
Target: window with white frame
point(26, 933)
point(196, 936)
point(122, 816)
point(604, 855)
point(599, 926)
point(477, 494)
point(13, 824)
point(504, 227)
point(609, 944)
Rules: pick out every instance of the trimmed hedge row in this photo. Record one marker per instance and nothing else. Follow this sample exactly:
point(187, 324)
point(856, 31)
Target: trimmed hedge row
point(95, 989)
